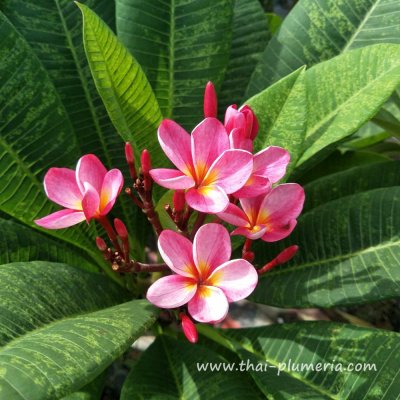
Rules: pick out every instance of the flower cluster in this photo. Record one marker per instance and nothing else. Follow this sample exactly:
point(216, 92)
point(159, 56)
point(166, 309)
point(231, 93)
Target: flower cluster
point(216, 173)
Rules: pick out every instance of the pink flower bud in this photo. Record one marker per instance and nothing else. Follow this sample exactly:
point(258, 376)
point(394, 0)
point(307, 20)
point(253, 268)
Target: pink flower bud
point(179, 200)
point(251, 126)
point(146, 162)
point(286, 255)
point(120, 228)
point(101, 244)
point(210, 101)
point(130, 158)
point(189, 328)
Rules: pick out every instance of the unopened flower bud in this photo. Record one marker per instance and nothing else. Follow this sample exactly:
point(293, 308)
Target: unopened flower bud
point(210, 101)
point(101, 244)
point(146, 162)
point(287, 254)
point(189, 328)
point(130, 158)
point(120, 228)
point(179, 200)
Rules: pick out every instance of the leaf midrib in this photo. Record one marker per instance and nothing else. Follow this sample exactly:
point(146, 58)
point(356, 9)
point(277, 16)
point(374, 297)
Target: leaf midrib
point(171, 61)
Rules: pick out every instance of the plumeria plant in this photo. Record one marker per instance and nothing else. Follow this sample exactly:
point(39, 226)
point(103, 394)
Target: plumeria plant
point(117, 223)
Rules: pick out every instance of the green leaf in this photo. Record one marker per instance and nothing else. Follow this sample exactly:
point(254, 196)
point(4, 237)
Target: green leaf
point(165, 219)
point(284, 124)
point(19, 243)
point(336, 97)
point(121, 84)
point(250, 35)
point(36, 293)
point(168, 370)
point(51, 353)
point(349, 254)
point(352, 181)
point(31, 114)
point(91, 391)
point(54, 32)
point(336, 349)
point(181, 45)
point(316, 31)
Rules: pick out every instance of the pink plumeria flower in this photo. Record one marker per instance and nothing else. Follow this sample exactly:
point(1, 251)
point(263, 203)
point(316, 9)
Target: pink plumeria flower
point(89, 192)
point(242, 127)
point(204, 277)
point(207, 168)
point(270, 217)
point(269, 166)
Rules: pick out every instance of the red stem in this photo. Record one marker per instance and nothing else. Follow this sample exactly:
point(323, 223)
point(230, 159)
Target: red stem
point(110, 232)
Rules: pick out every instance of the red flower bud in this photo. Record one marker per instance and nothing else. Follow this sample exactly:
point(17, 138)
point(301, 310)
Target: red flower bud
point(189, 328)
point(210, 101)
point(120, 228)
point(286, 255)
point(146, 162)
point(179, 200)
point(101, 244)
point(130, 158)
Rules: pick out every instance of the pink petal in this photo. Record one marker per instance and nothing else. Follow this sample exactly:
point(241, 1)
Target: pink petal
point(208, 305)
point(171, 179)
point(90, 202)
point(237, 279)
point(61, 219)
point(238, 140)
point(251, 207)
point(230, 171)
point(283, 204)
point(209, 141)
point(171, 291)
point(91, 170)
point(233, 118)
point(175, 142)
point(256, 185)
point(278, 233)
point(254, 233)
point(251, 121)
point(61, 187)
point(271, 163)
point(207, 199)
point(211, 248)
point(177, 252)
point(234, 215)
point(112, 185)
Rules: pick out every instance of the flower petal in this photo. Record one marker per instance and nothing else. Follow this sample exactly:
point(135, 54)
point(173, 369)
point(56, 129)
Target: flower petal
point(281, 205)
point(209, 141)
point(230, 171)
point(90, 202)
point(175, 142)
point(91, 170)
point(251, 207)
point(207, 199)
point(177, 252)
point(236, 278)
point(254, 233)
point(171, 178)
point(208, 305)
point(211, 248)
point(238, 140)
point(278, 233)
point(271, 163)
point(171, 291)
point(61, 187)
point(234, 215)
point(61, 219)
point(112, 185)
point(256, 185)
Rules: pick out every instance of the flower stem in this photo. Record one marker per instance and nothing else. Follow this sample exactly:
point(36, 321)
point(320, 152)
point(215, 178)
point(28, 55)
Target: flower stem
point(198, 223)
point(110, 232)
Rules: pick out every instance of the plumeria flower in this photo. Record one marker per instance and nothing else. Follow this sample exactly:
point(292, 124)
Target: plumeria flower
point(242, 127)
point(270, 217)
point(269, 166)
point(207, 168)
point(204, 277)
point(89, 192)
